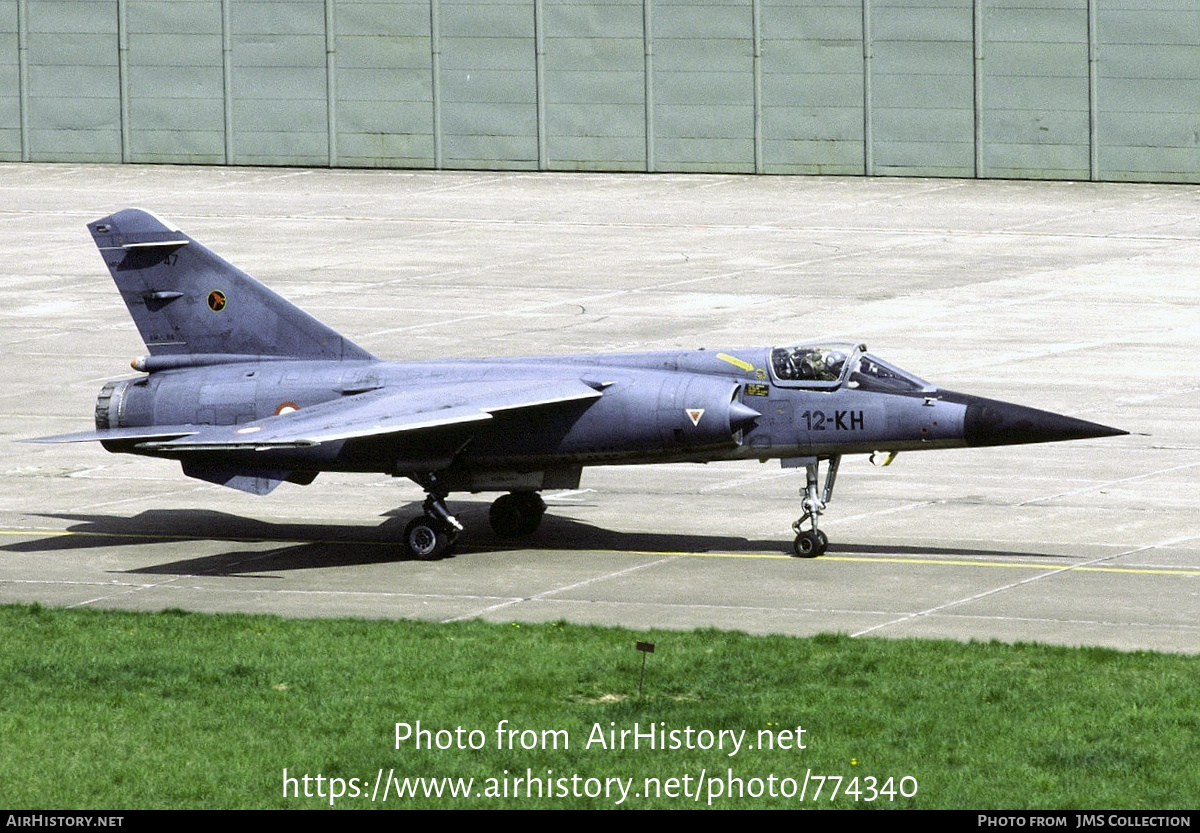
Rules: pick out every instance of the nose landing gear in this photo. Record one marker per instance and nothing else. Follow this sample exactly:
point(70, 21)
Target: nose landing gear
point(812, 542)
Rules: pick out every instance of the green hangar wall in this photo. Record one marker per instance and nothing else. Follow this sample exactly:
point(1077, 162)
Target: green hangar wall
point(1041, 89)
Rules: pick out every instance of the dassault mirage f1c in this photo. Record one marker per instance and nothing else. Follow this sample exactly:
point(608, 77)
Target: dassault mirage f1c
point(248, 391)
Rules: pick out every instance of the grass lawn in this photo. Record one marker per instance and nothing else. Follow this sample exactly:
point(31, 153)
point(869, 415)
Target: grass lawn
point(107, 710)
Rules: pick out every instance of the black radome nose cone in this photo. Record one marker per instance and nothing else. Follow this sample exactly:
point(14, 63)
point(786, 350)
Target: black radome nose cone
point(992, 422)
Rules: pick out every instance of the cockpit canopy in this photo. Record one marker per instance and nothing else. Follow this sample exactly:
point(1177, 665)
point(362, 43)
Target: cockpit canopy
point(829, 365)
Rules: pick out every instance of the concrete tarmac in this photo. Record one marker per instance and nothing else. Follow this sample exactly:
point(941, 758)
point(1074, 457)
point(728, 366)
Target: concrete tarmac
point(1073, 297)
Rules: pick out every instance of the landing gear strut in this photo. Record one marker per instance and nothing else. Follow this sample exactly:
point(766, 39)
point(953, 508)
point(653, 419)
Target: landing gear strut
point(813, 542)
point(517, 514)
point(432, 535)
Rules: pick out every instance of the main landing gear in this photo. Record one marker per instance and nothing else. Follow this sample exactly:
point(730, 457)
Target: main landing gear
point(432, 535)
point(517, 514)
point(810, 543)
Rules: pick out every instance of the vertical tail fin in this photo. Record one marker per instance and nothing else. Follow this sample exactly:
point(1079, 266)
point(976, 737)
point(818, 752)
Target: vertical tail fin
point(186, 300)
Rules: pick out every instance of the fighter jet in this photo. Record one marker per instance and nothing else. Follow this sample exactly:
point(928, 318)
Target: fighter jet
point(247, 391)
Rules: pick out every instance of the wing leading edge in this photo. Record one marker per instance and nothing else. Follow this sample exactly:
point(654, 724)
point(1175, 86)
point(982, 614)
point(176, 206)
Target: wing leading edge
point(374, 414)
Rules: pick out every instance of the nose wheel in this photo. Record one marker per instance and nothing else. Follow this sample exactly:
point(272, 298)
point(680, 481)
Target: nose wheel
point(812, 542)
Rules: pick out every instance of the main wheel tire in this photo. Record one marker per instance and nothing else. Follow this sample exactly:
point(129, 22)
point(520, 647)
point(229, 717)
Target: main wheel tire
point(426, 539)
point(531, 507)
point(810, 544)
point(505, 516)
point(517, 514)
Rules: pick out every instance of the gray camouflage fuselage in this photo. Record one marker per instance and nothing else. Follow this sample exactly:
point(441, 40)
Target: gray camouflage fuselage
point(642, 416)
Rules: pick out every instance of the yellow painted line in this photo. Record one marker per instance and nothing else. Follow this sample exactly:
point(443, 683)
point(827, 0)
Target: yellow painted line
point(1162, 571)
point(736, 362)
point(935, 562)
point(695, 554)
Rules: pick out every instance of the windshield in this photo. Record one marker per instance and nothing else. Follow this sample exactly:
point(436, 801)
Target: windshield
point(875, 374)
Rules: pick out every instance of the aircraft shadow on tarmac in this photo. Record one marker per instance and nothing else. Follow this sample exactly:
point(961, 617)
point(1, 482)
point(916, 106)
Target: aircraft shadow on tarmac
point(310, 546)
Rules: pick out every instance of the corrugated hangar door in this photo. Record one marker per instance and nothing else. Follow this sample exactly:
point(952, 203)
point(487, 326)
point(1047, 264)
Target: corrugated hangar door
point(1042, 89)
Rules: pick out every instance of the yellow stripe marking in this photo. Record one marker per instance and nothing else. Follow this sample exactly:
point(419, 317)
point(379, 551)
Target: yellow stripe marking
point(936, 562)
point(736, 362)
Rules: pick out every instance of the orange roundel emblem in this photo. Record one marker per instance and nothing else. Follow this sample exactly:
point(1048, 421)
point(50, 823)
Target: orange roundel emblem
point(286, 408)
point(216, 300)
